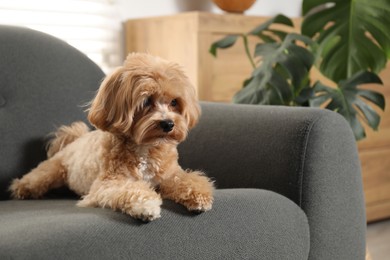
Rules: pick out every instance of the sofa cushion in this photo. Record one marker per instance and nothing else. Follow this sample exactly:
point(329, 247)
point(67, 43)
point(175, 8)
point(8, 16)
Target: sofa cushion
point(243, 224)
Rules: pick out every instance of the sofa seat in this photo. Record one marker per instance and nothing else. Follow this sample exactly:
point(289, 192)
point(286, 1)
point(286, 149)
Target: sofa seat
point(57, 229)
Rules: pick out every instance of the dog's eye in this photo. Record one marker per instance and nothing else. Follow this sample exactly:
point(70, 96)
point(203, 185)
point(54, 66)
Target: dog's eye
point(148, 102)
point(174, 103)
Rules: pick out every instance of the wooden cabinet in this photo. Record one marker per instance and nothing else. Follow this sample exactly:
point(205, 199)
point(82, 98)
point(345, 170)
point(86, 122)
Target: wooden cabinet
point(186, 39)
point(374, 152)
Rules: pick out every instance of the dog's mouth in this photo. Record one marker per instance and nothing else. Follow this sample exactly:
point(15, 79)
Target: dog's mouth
point(160, 138)
point(164, 135)
point(159, 133)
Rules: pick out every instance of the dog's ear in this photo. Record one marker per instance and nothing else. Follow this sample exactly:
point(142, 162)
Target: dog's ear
point(111, 108)
point(191, 110)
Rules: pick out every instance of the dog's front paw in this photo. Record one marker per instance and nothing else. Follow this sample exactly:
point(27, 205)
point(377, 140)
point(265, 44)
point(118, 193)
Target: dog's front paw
point(147, 210)
point(191, 189)
point(21, 190)
point(199, 202)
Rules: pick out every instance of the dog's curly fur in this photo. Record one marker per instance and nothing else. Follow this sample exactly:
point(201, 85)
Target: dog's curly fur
point(142, 111)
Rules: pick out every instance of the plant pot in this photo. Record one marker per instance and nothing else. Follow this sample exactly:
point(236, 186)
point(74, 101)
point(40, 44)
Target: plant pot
point(234, 6)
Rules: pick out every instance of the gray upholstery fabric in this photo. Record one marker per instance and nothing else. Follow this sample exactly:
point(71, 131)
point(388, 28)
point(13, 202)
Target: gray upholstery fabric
point(43, 84)
point(307, 155)
point(244, 224)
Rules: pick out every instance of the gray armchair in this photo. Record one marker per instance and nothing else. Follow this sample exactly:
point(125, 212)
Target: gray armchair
point(288, 179)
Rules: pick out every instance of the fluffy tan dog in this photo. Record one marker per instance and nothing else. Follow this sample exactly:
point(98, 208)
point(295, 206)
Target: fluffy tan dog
point(142, 111)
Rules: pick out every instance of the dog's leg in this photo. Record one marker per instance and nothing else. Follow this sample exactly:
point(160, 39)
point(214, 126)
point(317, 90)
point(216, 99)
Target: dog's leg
point(47, 175)
point(135, 198)
point(191, 189)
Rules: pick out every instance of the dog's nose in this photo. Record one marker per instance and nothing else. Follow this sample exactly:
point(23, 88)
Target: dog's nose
point(167, 125)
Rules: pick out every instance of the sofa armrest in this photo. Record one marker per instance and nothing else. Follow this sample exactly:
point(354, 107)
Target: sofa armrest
point(308, 155)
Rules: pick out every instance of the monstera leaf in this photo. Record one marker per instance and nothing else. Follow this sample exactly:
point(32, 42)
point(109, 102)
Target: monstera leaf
point(347, 99)
point(262, 31)
point(267, 34)
point(353, 35)
point(282, 74)
point(224, 43)
point(344, 37)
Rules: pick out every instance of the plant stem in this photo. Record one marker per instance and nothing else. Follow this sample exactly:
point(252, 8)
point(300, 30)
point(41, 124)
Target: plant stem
point(245, 38)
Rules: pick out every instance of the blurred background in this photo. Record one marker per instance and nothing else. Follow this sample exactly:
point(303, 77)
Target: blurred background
point(95, 26)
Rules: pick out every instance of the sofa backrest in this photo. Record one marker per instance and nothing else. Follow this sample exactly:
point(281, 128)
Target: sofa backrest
point(44, 83)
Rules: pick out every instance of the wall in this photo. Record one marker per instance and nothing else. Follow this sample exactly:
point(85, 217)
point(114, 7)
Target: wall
point(130, 9)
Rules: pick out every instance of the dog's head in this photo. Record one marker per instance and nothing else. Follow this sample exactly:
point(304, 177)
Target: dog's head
point(148, 99)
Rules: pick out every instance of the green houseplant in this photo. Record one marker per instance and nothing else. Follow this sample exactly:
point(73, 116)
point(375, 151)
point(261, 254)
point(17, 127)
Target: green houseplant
point(348, 41)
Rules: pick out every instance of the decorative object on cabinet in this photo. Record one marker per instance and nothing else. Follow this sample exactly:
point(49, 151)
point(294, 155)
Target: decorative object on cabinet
point(234, 6)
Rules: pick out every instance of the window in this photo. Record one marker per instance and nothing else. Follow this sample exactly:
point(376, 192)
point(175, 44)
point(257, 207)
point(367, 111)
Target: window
point(92, 26)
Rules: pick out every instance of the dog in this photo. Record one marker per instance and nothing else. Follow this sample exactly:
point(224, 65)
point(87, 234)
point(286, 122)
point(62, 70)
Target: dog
point(141, 112)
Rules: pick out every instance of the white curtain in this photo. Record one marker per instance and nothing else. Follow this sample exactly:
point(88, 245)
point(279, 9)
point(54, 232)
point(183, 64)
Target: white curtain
point(92, 26)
